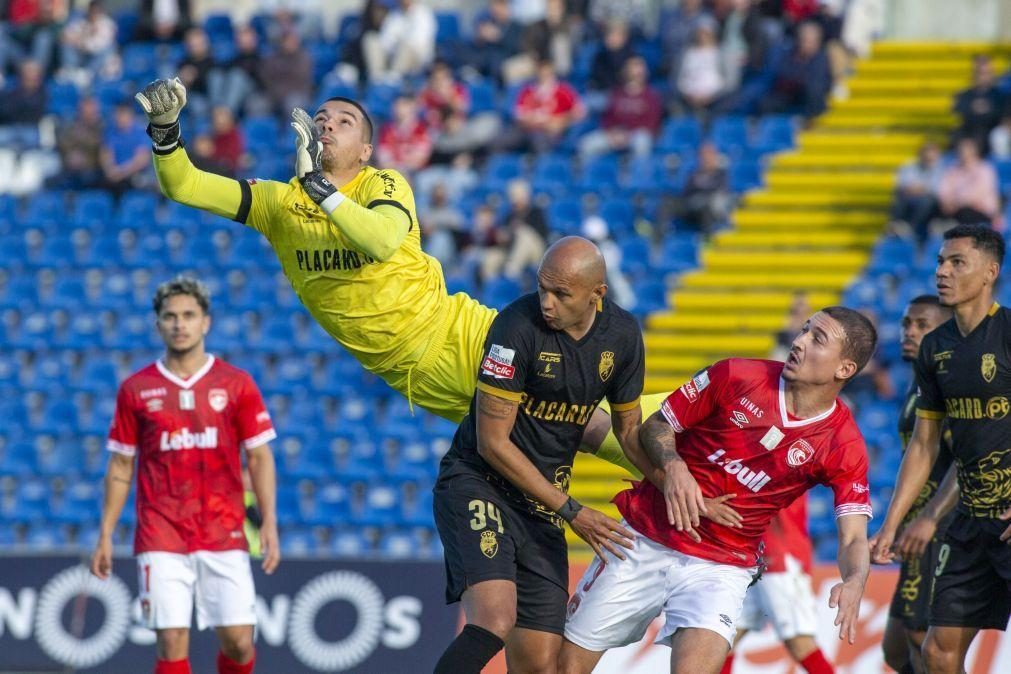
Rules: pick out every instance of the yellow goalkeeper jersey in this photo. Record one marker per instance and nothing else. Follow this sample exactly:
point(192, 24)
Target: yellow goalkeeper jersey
point(384, 312)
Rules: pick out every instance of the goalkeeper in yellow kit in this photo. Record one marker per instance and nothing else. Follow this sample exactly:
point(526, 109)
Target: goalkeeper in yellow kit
point(348, 240)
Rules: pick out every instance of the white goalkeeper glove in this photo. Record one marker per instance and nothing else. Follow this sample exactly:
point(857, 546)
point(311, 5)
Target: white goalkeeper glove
point(162, 101)
point(309, 162)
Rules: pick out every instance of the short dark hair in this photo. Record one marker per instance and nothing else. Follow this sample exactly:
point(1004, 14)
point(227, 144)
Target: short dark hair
point(932, 300)
point(361, 109)
point(983, 237)
point(861, 337)
point(182, 285)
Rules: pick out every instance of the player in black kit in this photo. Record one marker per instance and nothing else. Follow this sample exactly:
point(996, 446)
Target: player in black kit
point(963, 373)
point(501, 497)
point(926, 522)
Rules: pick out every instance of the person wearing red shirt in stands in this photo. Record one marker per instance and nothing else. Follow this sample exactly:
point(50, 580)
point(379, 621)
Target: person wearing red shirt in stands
point(783, 595)
point(185, 419)
point(404, 141)
point(544, 111)
point(764, 431)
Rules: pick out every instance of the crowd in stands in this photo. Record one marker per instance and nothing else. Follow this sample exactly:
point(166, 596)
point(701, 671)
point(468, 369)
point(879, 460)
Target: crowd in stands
point(541, 79)
point(932, 192)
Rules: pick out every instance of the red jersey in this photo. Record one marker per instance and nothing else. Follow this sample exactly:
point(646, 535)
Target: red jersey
point(554, 101)
point(787, 537)
point(737, 438)
point(187, 436)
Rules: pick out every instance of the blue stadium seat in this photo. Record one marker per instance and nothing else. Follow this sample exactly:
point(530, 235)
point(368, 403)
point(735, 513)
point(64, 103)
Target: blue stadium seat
point(619, 214)
point(894, 256)
point(678, 253)
point(126, 23)
point(745, 175)
point(773, 133)
point(635, 254)
point(18, 460)
point(680, 135)
point(482, 96)
point(729, 134)
point(62, 99)
point(298, 542)
point(350, 543)
point(565, 215)
point(502, 168)
point(398, 545)
point(599, 175)
point(501, 291)
point(1003, 168)
point(140, 61)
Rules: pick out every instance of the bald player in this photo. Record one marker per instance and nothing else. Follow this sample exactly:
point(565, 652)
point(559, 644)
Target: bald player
point(501, 496)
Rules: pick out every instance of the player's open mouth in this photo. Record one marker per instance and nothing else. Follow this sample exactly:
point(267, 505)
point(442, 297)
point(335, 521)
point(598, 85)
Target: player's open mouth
point(792, 359)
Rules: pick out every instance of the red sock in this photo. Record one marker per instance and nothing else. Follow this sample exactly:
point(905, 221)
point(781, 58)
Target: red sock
point(816, 663)
point(172, 666)
point(228, 666)
point(728, 664)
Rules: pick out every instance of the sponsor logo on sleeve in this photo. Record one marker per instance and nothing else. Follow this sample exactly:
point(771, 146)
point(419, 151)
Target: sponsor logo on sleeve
point(263, 417)
point(701, 380)
point(689, 391)
point(860, 488)
point(499, 362)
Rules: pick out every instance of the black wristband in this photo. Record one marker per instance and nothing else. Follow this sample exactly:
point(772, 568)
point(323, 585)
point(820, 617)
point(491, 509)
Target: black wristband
point(569, 510)
point(164, 138)
point(317, 186)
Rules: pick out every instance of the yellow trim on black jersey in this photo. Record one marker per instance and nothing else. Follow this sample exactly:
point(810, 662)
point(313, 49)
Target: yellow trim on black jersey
point(514, 396)
point(993, 309)
point(929, 414)
point(625, 407)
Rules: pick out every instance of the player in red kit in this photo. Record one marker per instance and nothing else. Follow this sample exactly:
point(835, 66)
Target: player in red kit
point(184, 419)
point(782, 597)
point(764, 431)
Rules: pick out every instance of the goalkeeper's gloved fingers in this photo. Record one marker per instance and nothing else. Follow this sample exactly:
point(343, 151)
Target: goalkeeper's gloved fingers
point(308, 148)
point(162, 101)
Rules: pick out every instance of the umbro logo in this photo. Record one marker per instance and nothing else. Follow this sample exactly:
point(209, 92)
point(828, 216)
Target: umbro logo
point(725, 619)
point(739, 419)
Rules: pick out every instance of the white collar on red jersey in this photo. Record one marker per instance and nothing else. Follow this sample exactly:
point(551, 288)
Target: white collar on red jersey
point(194, 378)
point(796, 423)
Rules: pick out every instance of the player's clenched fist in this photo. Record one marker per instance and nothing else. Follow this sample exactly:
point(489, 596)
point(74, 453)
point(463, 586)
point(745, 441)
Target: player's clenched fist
point(101, 559)
point(162, 101)
point(601, 533)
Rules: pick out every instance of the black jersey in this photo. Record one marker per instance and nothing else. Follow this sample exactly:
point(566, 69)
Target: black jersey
point(967, 380)
point(907, 420)
point(558, 382)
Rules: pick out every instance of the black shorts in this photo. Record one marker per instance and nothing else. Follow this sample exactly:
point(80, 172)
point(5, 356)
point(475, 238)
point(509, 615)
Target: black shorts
point(972, 584)
point(487, 539)
point(911, 601)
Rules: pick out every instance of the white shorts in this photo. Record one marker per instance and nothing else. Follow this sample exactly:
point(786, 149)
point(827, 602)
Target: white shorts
point(784, 599)
point(220, 583)
point(614, 604)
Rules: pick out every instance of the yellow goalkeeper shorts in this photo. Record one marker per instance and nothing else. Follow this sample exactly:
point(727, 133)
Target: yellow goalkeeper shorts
point(444, 379)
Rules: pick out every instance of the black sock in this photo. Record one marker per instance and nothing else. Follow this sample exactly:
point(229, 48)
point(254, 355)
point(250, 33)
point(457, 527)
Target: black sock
point(469, 652)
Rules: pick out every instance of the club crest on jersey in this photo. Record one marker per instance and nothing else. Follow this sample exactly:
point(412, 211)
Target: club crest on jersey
point(988, 367)
point(799, 453)
point(606, 366)
point(218, 399)
point(489, 544)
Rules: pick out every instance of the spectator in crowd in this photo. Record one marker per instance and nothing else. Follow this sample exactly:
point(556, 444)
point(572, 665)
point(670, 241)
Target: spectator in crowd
point(26, 103)
point(229, 143)
point(968, 191)
point(744, 42)
point(30, 32)
point(551, 38)
point(205, 157)
point(195, 69)
point(164, 20)
point(372, 17)
point(89, 44)
point(527, 229)
point(632, 117)
point(405, 44)
point(618, 288)
point(458, 178)
point(1000, 138)
point(488, 246)
point(981, 105)
point(442, 226)
point(680, 31)
point(706, 199)
point(700, 80)
point(446, 105)
point(803, 78)
point(79, 142)
point(496, 50)
point(231, 85)
point(287, 76)
point(638, 15)
point(404, 142)
point(544, 111)
point(916, 193)
point(608, 62)
point(126, 152)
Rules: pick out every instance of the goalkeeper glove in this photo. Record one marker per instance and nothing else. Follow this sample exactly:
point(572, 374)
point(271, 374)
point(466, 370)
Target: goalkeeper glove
point(162, 101)
point(309, 162)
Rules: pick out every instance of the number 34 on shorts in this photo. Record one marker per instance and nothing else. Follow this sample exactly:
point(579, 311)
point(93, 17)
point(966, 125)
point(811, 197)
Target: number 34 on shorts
point(484, 512)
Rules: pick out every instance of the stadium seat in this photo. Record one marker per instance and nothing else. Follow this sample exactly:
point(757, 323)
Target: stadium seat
point(565, 215)
point(599, 175)
point(729, 134)
point(680, 135)
point(501, 291)
point(349, 544)
point(619, 214)
point(773, 133)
